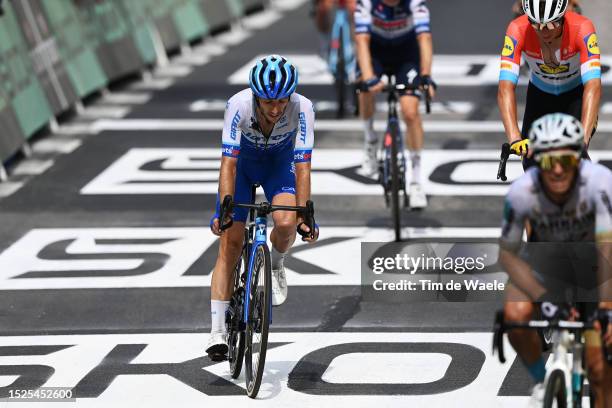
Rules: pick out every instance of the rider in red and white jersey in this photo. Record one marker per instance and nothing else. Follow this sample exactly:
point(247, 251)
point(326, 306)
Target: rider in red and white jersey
point(561, 50)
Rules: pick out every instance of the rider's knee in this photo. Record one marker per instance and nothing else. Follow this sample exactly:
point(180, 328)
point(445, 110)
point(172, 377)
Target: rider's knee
point(595, 366)
point(411, 114)
point(518, 311)
point(285, 223)
point(231, 244)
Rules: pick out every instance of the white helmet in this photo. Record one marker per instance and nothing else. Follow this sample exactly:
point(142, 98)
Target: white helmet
point(544, 11)
point(556, 131)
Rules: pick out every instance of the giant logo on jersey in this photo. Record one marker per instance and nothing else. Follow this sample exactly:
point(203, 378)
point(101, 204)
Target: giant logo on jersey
point(509, 45)
point(561, 69)
point(592, 44)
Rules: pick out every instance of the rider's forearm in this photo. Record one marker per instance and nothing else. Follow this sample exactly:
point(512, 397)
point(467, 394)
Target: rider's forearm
point(521, 274)
point(364, 58)
point(506, 100)
point(590, 107)
point(426, 52)
point(227, 176)
point(302, 183)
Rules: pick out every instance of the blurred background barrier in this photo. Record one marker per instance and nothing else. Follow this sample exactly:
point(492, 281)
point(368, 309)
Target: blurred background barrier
point(56, 53)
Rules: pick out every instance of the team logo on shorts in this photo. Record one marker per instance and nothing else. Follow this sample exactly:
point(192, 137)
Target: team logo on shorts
point(509, 45)
point(592, 44)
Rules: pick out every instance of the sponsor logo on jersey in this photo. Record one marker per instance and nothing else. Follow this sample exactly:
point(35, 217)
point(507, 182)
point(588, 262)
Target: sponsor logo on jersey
point(303, 127)
point(592, 44)
point(595, 64)
point(235, 122)
point(509, 45)
point(506, 65)
point(563, 68)
point(302, 156)
point(230, 150)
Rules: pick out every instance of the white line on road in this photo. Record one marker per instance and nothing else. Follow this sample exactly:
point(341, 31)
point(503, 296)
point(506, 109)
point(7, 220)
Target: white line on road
point(127, 98)
point(32, 167)
point(56, 146)
point(261, 20)
point(9, 187)
point(323, 125)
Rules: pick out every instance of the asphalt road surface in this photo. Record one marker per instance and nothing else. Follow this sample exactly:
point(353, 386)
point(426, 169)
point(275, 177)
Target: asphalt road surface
point(106, 255)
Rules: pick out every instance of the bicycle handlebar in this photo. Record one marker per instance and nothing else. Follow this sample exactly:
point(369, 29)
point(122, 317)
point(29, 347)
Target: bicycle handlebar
point(362, 87)
point(266, 208)
point(501, 326)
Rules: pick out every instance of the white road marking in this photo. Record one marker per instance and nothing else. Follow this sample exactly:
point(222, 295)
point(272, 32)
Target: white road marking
point(56, 145)
point(181, 247)
point(453, 107)
point(173, 71)
point(261, 20)
point(153, 84)
point(8, 188)
point(449, 70)
point(210, 48)
point(191, 58)
point(104, 111)
point(127, 98)
point(233, 37)
point(32, 167)
point(73, 363)
point(287, 5)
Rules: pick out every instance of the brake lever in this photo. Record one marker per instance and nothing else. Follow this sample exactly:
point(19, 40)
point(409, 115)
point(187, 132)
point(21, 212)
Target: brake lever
point(505, 155)
point(226, 208)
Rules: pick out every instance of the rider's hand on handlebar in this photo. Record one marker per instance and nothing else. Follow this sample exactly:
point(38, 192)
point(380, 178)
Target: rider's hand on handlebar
point(304, 231)
point(214, 224)
point(374, 85)
point(520, 147)
point(427, 83)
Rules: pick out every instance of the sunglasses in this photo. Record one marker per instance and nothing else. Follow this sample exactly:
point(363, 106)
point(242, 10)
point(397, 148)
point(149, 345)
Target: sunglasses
point(548, 161)
point(550, 25)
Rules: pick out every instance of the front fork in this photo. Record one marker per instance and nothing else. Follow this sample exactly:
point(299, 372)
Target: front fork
point(384, 162)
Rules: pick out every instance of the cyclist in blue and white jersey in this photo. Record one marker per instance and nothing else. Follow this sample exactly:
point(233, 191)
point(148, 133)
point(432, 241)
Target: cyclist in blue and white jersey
point(268, 137)
point(566, 199)
point(394, 36)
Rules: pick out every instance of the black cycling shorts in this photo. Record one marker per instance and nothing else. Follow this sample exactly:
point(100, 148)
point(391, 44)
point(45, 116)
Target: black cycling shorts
point(540, 103)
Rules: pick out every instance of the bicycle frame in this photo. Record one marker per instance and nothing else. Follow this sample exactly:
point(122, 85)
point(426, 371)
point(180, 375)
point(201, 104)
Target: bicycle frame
point(261, 226)
point(341, 33)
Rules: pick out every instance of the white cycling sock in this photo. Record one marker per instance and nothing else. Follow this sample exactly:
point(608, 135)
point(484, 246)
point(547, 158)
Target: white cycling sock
point(368, 130)
point(415, 161)
point(217, 315)
point(277, 258)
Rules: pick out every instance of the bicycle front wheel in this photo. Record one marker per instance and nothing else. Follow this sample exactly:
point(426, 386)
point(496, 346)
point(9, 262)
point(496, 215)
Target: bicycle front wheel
point(258, 323)
point(556, 393)
point(395, 181)
point(235, 333)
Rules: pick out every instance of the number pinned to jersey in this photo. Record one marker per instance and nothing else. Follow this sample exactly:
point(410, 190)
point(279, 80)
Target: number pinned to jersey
point(509, 45)
point(592, 44)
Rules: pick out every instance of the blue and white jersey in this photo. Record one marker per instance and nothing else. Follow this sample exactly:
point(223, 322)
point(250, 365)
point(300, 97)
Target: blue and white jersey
point(394, 25)
point(242, 136)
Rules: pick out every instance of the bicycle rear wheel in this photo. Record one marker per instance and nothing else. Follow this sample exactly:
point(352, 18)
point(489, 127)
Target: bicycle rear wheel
point(259, 294)
point(556, 393)
point(395, 181)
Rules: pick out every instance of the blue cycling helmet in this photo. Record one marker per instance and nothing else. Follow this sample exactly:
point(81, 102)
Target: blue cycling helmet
point(274, 77)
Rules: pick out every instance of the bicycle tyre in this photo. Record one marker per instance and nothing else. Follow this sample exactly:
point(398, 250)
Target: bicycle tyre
point(235, 338)
point(341, 77)
point(555, 390)
point(260, 305)
point(395, 182)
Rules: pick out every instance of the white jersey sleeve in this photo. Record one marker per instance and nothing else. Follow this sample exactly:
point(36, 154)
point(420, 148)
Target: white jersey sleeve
point(600, 189)
point(304, 140)
point(232, 121)
point(420, 13)
point(363, 17)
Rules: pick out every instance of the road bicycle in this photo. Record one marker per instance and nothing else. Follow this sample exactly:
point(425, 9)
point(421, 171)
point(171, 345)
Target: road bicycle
point(391, 157)
point(565, 374)
point(249, 315)
point(341, 57)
